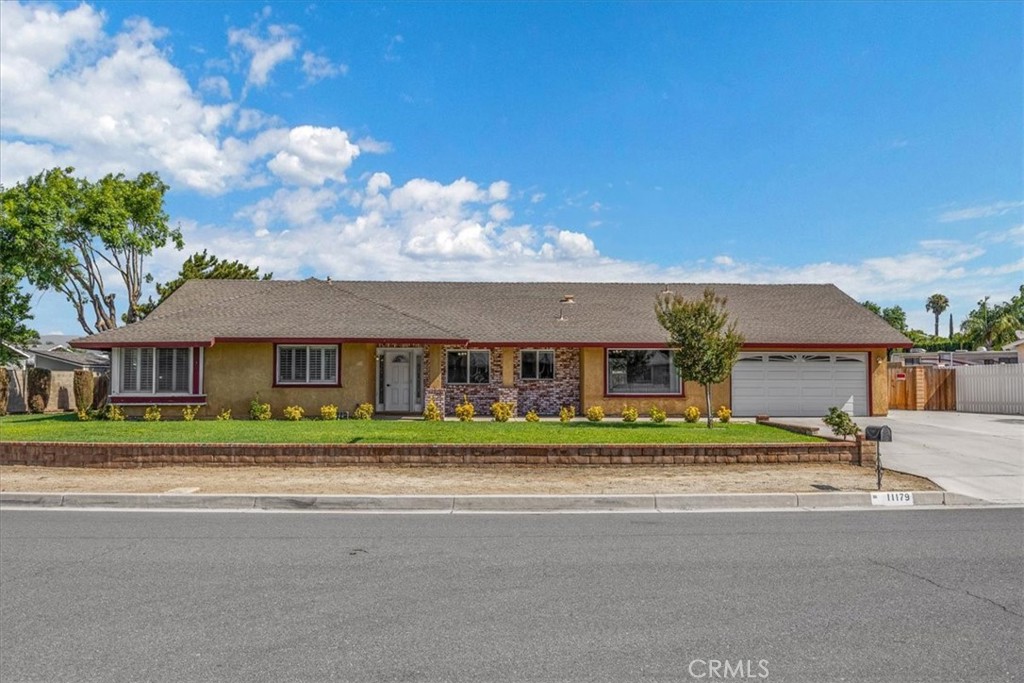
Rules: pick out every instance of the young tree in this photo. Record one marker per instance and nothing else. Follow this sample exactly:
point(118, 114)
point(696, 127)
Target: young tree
point(69, 231)
point(937, 304)
point(705, 344)
point(202, 267)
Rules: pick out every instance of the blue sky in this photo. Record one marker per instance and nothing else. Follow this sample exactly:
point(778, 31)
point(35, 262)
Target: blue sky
point(874, 145)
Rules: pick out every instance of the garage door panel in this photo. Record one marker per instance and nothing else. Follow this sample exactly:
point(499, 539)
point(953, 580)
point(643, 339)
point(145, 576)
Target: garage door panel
point(799, 384)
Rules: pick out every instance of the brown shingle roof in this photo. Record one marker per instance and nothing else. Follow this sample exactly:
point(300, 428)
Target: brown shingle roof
point(205, 311)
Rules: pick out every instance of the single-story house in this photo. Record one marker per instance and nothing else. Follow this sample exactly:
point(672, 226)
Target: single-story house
point(398, 345)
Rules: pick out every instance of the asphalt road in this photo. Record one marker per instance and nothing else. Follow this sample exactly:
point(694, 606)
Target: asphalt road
point(916, 595)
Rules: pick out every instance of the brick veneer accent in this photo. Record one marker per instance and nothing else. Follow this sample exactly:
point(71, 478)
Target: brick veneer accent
point(319, 455)
point(545, 396)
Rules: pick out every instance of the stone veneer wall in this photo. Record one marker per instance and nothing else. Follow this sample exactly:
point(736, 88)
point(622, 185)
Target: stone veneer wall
point(121, 455)
point(544, 396)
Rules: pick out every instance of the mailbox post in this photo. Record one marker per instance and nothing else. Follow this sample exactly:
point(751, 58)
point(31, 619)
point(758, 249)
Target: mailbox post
point(878, 433)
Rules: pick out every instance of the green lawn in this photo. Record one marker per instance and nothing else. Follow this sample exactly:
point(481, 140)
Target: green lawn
point(67, 427)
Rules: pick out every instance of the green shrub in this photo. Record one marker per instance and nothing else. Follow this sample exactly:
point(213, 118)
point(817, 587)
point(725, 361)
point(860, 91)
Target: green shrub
point(595, 413)
point(83, 415)
point(840, 422)
point(532, 416)
point(630, 414)
point(657, 415)
point(502, 411)
point(224, 415)
point(293, 413)
point(5, 383)
point(432, 413)
point(691, 414)
point(83, 388)
point(259, 411)
point(724, 414)
point(567, 413)
point(38, 389)
point(152, 414)
point(363, 411)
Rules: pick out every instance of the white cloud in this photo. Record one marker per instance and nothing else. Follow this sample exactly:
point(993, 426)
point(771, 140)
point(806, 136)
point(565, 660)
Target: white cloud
point(985, 211)
point(723, 261)
point(500, 213)
point(218, 85)
point(264, 52)
point(312, 156)
point(370, 146)
point(317, 67)
point(116, 103)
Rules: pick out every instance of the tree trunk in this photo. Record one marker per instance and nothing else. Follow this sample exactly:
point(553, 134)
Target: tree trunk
point(707, 399)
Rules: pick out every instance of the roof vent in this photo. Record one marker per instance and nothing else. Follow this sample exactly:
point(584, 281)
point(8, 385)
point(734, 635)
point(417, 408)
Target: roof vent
point(568, 299)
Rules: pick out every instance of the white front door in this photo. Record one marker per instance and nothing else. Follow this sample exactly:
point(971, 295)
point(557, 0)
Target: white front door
point(401, 375)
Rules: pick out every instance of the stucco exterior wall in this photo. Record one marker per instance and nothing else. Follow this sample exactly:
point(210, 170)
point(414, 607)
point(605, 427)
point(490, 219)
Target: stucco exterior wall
point(592, 373)
point(235, 373)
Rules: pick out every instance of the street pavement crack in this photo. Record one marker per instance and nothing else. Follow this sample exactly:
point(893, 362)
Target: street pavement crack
point(948, 588)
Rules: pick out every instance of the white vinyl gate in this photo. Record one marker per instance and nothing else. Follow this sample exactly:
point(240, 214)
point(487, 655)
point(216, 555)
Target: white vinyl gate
point(785, 384)
point(990, 389)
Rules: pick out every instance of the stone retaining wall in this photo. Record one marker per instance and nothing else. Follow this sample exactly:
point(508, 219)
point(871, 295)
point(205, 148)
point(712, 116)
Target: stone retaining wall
point(325, 455)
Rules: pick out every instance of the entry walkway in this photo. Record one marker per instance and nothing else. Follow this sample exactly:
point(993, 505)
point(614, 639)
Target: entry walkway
point(975, 454)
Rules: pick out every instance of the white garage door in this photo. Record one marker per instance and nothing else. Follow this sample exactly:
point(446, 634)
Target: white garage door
point(799, 384)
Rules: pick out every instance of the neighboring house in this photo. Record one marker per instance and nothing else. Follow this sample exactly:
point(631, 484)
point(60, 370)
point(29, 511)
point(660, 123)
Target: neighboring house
point(61, 358)
point(397, 345)
point(1017, 347)
point(1008, 356)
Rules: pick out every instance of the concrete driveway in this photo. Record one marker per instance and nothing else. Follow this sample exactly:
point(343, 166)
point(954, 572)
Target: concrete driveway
point(975, 454)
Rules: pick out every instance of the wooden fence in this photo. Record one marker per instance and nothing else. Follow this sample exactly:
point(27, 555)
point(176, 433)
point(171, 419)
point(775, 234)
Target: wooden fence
point(922, 388)
point(990, 389)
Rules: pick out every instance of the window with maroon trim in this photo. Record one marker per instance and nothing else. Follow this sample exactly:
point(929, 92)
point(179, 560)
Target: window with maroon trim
point(155, 371)
point(307, 364)
point(536, 364)
point(641, 371)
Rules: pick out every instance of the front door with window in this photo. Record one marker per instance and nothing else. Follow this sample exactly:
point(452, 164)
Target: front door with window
point(401, 374)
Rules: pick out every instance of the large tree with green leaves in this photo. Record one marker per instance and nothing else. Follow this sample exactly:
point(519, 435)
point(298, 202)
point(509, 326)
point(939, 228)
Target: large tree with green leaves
point(15, 305)
point(203, 266)
point(705, 344)
point(894, 315)
point(937, 305)
point(70, 232)
point(994, 326)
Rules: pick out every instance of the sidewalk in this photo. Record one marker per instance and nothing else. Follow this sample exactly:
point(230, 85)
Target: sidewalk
point(486, 504)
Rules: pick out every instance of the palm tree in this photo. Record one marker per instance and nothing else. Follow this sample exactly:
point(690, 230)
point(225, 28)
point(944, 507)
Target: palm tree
point(937, 304)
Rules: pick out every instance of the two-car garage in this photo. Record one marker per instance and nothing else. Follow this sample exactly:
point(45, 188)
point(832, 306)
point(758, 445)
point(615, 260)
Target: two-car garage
point(799, 384)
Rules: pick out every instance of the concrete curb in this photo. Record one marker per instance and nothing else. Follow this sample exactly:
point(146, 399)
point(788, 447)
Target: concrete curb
point(470, 504)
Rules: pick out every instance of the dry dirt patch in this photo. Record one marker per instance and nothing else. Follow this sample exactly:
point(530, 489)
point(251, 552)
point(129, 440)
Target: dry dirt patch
point(459, 480)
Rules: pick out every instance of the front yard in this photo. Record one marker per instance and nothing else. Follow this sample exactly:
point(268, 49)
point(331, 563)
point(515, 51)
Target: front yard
point(67, 427)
